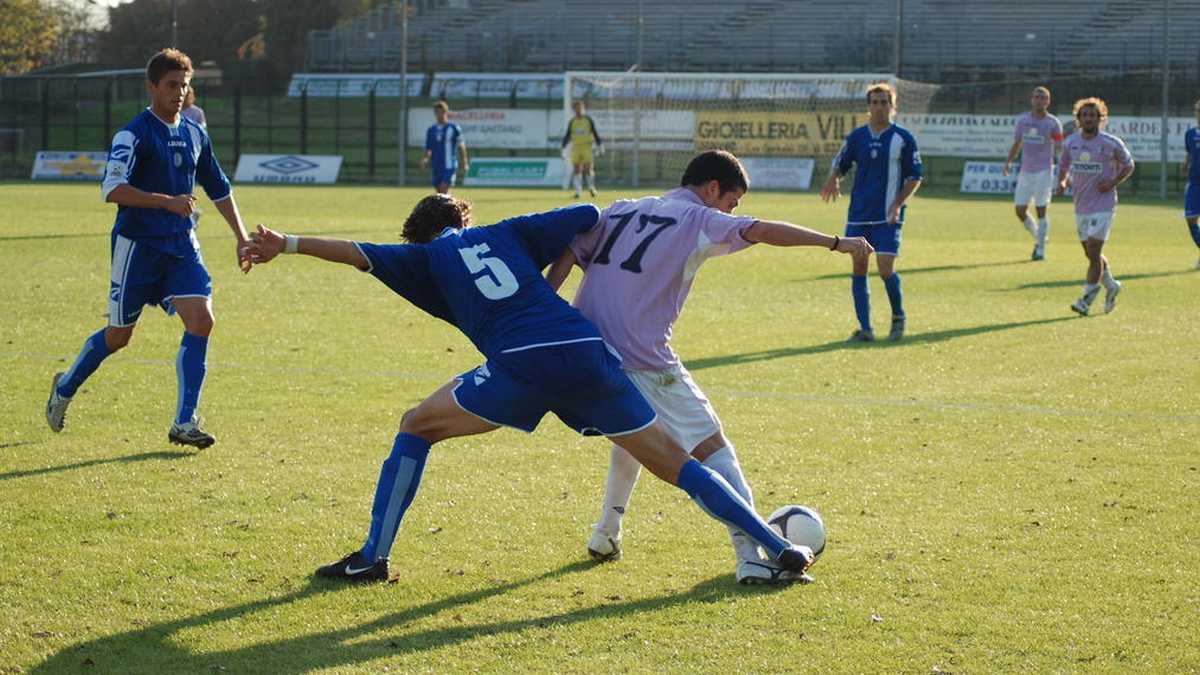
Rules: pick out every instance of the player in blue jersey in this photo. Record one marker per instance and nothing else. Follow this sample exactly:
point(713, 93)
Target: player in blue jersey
point(153, 166)
point(444, 147)
point(542, 356)
point(888, 172)
point(1191, 166)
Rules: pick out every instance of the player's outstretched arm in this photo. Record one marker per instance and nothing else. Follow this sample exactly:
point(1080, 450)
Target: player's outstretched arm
point(560, 269)
point(229, 211)
point(266, 243)
point(777, 233)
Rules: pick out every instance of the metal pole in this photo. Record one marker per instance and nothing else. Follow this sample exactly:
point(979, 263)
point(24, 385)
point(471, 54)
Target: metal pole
point(637, 101)
point(1166, 94)
point(174, 23)
point(402, 154)
point(896, 39)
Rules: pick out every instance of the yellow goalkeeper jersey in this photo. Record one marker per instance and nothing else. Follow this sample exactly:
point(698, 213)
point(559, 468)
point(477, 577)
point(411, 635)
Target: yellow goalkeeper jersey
point(580, 133)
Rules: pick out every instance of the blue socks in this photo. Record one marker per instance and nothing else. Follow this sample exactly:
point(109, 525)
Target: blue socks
point(94, 351)
point(398, 482)
point(862, 300)
point(1195, 230)
point(895, 294)
point(191, 365)
point(718, 499)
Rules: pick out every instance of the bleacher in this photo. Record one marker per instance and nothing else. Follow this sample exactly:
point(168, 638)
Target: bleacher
point(940, 38)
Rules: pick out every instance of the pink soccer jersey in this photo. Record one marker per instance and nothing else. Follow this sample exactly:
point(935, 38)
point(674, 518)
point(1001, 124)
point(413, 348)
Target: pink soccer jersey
point(1092, 160)
point(1037, 136)
point(639, 264)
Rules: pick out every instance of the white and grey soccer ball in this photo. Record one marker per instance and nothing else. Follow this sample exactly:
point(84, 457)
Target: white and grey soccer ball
point(800, 525)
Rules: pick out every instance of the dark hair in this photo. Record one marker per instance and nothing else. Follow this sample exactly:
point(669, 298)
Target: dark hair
point(718, 165)
point(433, 214)
point(167, 60)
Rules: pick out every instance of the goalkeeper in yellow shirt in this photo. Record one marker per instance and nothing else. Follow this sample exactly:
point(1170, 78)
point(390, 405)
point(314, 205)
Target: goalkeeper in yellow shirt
point(582, 137)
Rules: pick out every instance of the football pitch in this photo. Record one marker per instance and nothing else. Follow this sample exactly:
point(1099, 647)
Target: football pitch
point(1010, 488)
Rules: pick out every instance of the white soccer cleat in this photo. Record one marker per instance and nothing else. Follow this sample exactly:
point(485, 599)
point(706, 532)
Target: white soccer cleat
point(1110, 297)
point(1198, 264)
point(56, 406)
point(603, 546)
point(766, 573)
point(1080, 307)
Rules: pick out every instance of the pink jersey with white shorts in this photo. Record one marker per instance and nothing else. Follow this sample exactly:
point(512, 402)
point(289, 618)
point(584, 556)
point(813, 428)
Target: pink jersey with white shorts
point(1092, 160)
point(640, 261)
point(1038, 136)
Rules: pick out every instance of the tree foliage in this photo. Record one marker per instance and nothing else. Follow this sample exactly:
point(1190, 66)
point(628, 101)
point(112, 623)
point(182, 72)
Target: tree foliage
point(28, 32)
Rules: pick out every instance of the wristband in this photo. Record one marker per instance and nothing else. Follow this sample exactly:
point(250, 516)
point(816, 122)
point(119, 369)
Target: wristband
point(836, 240)
point(291, 243)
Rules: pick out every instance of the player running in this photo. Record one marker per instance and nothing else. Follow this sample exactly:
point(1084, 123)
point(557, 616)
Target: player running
point(1038, 137)
point(1096, 163)
point(639, 265)
point(581, 131)
point(153, 166)
point(1191, 166)
point(542, 356)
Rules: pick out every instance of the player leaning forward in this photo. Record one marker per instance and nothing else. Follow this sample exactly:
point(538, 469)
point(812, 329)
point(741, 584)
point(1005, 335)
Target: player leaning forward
point(1096, 163)
point(542, 356)
point(1038, 137)
point(153, 166)
point(639, 264)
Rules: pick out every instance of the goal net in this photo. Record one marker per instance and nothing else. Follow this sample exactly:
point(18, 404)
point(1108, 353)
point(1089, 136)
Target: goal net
point(785, 127)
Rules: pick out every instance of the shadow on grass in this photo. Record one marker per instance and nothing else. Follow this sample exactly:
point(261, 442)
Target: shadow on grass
point(914, 338)
point(926, 270)
point(155, 647)
point(1078, 281)
point(125, 459)
point(395, 230)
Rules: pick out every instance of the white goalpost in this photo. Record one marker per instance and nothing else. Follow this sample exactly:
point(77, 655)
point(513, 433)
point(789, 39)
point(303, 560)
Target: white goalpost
point(784, 126)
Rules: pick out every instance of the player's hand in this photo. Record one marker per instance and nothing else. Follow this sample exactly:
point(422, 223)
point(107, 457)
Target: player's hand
point(1004, 171)
point(265, 244)
point(599, 150)
point(424, 162)
point(832, 189)
point(1062, 188)
point(244, 258)
point(893, 214)
point(1105, 186)
point(181, 205)
point(858, 247)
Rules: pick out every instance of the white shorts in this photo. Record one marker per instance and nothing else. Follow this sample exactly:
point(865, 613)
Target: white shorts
point(1094, 225)
point(682, 408)
point(1035, 186)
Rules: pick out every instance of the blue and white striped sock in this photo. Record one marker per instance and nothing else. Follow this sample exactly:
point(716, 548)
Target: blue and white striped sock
point(191, 366)
point(94, 351)
point(399, 479)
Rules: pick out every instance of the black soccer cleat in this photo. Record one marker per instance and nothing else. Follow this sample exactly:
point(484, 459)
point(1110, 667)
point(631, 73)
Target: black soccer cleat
point(190, 433)
point(796, 558)
point(355, 568)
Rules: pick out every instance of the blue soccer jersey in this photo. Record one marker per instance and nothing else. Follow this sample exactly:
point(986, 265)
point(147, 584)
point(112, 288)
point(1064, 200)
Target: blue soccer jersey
point(884, 163)
point(1191, 145)
point(153, 156)
point(487, 281)
point(443, 141)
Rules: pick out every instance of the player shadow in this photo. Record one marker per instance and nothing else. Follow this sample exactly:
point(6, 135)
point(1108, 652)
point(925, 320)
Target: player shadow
point(1079, 282)
point(909, 339)
point(926, 270)
point(125, 459)
point(402, 631)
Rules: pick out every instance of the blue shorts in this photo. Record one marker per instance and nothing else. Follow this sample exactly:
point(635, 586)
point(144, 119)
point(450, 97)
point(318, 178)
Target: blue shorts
point(885, 238)
point(582, 383)
point(1191, 201)
point(143, 275)
point(443, 176)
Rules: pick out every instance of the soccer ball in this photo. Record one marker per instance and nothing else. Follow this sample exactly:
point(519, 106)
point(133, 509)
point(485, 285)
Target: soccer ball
point(800, 525)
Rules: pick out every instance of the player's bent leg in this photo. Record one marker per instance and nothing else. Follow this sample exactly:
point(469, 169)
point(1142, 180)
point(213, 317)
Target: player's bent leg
point(63, 386)
point(659, 453)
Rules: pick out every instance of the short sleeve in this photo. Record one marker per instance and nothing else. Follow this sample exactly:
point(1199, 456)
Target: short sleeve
point(726, 229)
point(404, 268)
point(209, 173)
point(1019, 129)
point(122, 158)
point(1057, 135)
point(429, 138)
point(1064, 162)
point(910, 159)
point(584, 245)
point(546, 235)
point(1121, 153)
point(845, 157)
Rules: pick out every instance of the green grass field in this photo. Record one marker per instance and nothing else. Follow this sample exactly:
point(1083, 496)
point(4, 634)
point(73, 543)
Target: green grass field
point(1010, 489)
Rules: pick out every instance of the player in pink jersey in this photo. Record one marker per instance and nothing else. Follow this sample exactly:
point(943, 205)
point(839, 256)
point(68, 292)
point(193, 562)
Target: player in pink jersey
point(1096, 163)
point(639, 265)
point(1038, 137)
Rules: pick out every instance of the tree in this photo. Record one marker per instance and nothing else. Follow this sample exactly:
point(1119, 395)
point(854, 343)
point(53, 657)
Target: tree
point(28, 33)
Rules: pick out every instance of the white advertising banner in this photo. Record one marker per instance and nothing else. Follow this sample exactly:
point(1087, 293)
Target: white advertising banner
point(289, 169)
point(786, 173)
point(515, 171)
point(69, 166)
point(487, 127)
point(1143, 136)
point(338, 85)
point(986, 178)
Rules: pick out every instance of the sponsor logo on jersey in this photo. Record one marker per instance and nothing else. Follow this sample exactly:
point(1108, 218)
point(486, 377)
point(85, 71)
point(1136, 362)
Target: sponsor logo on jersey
point(1087, 167)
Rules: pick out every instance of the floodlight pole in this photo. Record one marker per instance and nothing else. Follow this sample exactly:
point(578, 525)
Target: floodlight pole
point(637, 101)
point(175, 23)
point(402, 153)
point(1166, 96)
point(896, 39)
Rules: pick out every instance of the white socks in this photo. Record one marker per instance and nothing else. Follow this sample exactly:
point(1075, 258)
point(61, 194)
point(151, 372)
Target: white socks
point(1031, 226)
point(623, 471)
point(577, 181)
point(1043, 231)
point(1106, 277)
